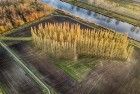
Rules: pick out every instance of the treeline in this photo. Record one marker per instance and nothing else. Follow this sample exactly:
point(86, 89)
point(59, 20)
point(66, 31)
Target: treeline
point(65, 40)
point(15, 14)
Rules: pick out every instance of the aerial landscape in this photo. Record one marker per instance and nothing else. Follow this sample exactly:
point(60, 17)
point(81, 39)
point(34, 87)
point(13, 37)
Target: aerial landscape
point(69, 46)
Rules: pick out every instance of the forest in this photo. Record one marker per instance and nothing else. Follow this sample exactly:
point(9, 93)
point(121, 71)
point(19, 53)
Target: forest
point(16, 14)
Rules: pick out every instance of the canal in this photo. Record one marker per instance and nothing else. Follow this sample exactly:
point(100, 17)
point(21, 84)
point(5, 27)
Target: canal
point(119, 26)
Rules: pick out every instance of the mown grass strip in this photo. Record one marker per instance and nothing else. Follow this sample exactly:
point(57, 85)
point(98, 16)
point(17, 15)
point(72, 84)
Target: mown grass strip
point(135, 43)
point(16, 38)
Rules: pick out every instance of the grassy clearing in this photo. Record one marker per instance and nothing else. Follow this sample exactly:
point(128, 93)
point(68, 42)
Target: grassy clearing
point(77, 70)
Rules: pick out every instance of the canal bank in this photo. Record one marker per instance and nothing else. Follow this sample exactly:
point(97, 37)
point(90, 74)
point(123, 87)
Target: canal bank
point(113, 24)
point(103, 11)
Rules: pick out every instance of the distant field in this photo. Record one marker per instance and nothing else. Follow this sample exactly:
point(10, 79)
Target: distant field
point(125, 11)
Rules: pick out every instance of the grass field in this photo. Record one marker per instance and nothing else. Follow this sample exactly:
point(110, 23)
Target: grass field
point(77, 70)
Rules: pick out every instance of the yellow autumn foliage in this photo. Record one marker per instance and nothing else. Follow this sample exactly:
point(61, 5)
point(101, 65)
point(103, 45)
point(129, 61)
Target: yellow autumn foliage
point(12, 16)
point(65, 40)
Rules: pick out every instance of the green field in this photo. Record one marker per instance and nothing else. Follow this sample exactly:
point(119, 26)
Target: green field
point(77, 70)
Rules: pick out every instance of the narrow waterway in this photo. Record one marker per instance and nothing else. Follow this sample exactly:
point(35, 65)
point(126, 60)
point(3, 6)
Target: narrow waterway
point(132, 31)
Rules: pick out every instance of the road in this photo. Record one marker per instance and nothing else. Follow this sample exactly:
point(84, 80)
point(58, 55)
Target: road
point(21, 63)
point(14, 78)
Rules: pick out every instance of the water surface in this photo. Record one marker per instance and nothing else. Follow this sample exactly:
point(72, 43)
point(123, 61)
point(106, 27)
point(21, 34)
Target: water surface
point(119, 26)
